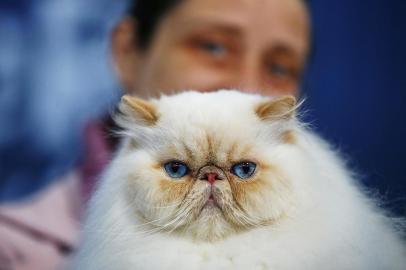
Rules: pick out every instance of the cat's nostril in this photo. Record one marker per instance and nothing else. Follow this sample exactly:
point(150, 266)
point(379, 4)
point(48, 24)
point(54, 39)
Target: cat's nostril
point(211, 177)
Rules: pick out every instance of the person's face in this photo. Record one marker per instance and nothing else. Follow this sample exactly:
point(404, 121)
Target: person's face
point(252, 45)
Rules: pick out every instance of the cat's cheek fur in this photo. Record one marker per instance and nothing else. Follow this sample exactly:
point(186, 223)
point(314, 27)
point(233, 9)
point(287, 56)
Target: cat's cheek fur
point(173, 190)
point(266, 197)
point(144, 190)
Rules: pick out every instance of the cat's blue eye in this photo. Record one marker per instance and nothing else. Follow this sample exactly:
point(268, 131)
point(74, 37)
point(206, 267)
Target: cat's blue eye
point(244, 169)
point(176, 169)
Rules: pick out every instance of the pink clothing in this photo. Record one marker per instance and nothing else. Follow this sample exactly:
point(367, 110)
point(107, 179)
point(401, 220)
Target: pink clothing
point(98, 154)
point(41, 232)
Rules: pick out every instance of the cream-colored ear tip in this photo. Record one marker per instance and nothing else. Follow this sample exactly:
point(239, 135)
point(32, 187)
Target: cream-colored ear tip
point(281, 107)
point(141, 109)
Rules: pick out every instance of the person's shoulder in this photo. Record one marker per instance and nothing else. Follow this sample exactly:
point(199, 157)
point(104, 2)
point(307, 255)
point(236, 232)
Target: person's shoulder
point(47, 222)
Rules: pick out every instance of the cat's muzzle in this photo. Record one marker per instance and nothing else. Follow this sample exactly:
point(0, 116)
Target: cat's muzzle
point(211, 174)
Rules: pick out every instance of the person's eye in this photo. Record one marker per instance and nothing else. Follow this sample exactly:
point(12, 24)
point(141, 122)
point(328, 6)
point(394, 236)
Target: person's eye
point(215, 48)
point(244, 169)
point(176, 169)
point(279, 70)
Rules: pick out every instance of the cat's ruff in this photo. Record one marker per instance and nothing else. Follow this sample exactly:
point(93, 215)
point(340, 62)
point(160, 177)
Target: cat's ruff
point(301, 209)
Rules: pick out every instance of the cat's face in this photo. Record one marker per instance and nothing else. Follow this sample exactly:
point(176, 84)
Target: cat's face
point(206, 165)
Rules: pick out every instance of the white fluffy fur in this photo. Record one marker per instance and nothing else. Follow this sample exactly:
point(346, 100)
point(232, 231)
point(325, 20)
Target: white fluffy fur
point(328, 223)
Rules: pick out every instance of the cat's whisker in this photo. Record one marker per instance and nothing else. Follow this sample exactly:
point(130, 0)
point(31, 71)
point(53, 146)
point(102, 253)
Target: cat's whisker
point(179, 223)
point(249, 221)
point(245, 220)
point(254, 221)
point(233, 211)
point(166, 206)
point(150, 232)
point(158, 207)
point(177, 217)
point(114, 231)
point(160, 228)
point(177, 220)
point(153, 222)
point(110, 233)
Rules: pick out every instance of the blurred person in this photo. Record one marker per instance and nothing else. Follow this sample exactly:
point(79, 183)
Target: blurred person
point(163, 47)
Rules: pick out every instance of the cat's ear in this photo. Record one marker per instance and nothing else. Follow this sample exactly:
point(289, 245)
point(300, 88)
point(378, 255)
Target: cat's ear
point(279, 108)
point(139, 109)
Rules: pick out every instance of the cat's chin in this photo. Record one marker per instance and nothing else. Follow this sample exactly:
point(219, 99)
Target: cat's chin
point(209, 225)
point(210, 206)
point(211, 211)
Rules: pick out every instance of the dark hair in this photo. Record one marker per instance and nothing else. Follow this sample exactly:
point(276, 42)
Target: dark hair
point(148, 14)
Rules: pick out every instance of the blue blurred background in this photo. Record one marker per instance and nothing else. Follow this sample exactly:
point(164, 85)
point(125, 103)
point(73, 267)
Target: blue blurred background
point(55, 75)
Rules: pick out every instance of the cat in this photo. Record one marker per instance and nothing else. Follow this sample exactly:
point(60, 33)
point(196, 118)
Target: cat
point(228, 180)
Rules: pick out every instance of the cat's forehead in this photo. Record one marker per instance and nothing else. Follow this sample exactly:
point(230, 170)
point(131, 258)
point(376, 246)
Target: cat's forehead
point(211, 109)
point(202, 147)
point(209, 127)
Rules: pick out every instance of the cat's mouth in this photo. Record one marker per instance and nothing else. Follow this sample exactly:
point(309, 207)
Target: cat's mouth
point(211, 197)
point(211, 201)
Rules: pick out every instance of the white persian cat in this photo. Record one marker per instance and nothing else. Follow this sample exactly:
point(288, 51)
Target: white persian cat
point(227, 180)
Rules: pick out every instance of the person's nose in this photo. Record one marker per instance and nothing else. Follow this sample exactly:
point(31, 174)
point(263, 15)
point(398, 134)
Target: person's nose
point(247, 75)
point(249, 81)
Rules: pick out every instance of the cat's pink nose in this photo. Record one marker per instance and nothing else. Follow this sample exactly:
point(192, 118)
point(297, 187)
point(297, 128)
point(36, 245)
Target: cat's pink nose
point(211, 174)
point(211, 177)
